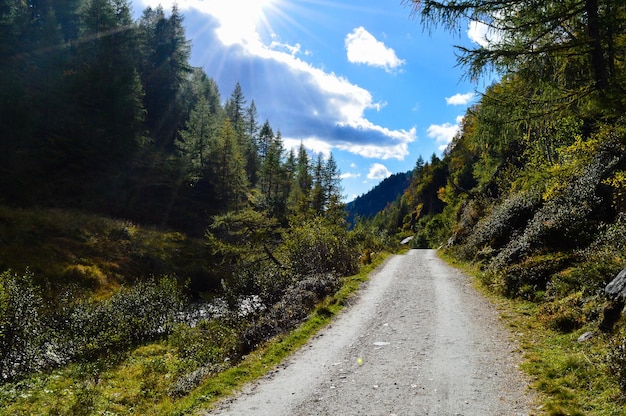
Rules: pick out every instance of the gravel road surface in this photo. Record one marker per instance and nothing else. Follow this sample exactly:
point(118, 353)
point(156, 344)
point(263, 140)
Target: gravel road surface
point(418, 340)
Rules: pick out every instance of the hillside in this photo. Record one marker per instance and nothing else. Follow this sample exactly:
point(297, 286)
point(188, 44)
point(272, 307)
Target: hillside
point(375, 200)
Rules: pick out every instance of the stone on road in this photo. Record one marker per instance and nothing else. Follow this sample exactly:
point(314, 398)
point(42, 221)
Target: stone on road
point(419, 340)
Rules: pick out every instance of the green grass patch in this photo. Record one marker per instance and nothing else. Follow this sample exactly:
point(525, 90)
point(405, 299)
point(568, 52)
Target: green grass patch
point(96, 254)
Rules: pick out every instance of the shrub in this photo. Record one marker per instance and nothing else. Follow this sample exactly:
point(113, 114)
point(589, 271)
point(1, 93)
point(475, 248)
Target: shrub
point(468, 214)
point(529, 278)
point(564, 220)
point(21, 325)
point(209, 343)
point(318, 246)
point(265, 282)
point(87, 329)
point(564, 315)
point(503, 223)
point(291, 309)
point(35, 334)
point(616, 361)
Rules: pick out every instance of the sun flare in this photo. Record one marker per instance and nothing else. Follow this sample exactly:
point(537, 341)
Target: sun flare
point(240, 19)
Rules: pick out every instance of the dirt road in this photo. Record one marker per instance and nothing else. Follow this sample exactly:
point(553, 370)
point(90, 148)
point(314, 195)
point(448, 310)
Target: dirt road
point(419, 340)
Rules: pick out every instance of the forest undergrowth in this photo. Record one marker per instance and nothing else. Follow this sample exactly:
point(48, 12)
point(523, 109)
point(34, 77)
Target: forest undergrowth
point(75, 344)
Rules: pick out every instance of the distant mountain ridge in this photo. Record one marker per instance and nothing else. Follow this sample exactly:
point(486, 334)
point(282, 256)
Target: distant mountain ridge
point(374, 201)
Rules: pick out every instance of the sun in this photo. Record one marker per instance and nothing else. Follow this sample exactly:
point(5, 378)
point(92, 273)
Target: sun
point(240, 19)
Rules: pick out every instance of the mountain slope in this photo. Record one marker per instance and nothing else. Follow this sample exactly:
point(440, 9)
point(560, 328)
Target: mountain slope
point(376, 199)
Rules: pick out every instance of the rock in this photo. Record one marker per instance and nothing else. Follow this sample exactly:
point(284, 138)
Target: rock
point(616, 289)
point(586, 336)
point(615, 292)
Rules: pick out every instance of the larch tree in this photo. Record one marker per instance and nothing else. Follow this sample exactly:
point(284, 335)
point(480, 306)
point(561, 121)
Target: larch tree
point(318, 193)
point(251, 150)
point(571, 53)
point(302, 182)
point(195, 140)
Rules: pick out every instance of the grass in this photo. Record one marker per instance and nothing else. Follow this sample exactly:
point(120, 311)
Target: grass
point(570, 377)
point(94, 253)
point(138, 382)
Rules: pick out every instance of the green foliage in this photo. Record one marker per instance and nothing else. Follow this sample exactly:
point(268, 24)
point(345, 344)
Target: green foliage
point(36, 334)
point(21, 325)
point(616, 361)
point(432, 232)
point(366, 236)
point(318, 246)
point(211, 343)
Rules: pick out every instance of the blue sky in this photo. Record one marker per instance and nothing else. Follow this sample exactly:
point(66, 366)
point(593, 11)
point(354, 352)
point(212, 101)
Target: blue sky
point(362, 80)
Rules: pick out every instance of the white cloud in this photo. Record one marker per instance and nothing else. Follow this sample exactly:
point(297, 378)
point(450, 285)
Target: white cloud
point(483, 34)
point(378, 171)
point(460, 99)
point(290, 49)
point(380, 105)
point(444, 133)
point(350, 175)
point(363, 48)
point(313, 144)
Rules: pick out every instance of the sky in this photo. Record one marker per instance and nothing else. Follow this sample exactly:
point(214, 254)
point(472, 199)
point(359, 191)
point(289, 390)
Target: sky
point(363, 80)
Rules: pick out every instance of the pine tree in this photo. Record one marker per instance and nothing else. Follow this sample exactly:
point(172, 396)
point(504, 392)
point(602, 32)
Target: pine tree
point(228, 168)
point(165, 53)
point(335, 208)
point(299, 197)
